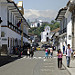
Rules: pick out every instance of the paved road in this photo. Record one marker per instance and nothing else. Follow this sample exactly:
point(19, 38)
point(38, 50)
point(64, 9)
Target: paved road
point(33, 66)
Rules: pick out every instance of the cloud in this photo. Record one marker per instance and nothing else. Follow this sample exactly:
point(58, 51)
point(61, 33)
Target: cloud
point(45, 15)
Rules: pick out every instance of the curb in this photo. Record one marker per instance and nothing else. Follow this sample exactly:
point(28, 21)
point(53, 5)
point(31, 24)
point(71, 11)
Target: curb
point(67, 69)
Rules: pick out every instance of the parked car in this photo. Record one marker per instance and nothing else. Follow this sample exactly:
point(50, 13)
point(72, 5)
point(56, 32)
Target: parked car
point(38, 48)
point(35, 45)
point(45, 46)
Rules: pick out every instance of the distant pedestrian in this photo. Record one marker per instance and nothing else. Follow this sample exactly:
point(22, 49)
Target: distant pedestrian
point(28, 52)
point(51, 52)
point(68, 54)
point(54, 48)
point(20, 51)
point(46, 53)
point(63, 49)
point(32, 52)
point(74, 54)
point(59, 54)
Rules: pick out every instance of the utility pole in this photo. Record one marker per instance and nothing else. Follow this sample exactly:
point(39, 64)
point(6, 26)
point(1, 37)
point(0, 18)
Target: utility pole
point(22, 34)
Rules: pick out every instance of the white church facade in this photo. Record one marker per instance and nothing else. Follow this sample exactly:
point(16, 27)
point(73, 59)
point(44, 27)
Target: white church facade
point(45, 36)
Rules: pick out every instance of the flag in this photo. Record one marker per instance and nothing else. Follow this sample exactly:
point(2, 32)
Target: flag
point(19, 23)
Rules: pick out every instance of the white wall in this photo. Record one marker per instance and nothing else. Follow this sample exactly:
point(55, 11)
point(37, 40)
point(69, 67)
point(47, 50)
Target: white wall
point(8, 32)
point(69, 28)
point(4, 14)
point(43, 37)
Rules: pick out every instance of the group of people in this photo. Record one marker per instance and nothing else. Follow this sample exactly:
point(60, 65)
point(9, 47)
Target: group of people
point(25, 50)
point(49, 52)
point(30, 53)
point(67, 52)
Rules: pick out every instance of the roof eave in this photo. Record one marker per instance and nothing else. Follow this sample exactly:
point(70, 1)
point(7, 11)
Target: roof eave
point(19, 11)
point(63, 9)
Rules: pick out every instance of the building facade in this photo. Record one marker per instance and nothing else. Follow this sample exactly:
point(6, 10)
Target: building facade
point(36, 24)
point(14, 28)
point(66, 16)
point(63, 27)
point(45, 36)
point(55, 38)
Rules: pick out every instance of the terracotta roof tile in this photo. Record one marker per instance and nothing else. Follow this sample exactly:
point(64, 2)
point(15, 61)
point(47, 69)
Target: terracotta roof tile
point(56, 30)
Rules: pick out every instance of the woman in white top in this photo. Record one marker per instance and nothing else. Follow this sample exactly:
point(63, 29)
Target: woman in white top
point(28, 52)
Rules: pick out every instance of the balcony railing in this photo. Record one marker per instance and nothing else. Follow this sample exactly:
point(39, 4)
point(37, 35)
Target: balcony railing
point(63, 31)
point(16, 29)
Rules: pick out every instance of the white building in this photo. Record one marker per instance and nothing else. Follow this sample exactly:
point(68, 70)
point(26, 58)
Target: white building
point(70, 15)
point(63, 28)
point(45, 36)
point(36, 23)
point(10, 35)
point(66, 16)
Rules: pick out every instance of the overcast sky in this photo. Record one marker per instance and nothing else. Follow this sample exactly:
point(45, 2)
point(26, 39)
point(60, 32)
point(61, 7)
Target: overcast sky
point(42, 9)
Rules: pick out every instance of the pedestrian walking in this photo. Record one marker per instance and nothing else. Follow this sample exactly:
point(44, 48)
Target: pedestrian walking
point(20, 49)
point(51, 52)
point(32, 52)
point(63, 49)
point(46, 53)
point(54, 48)
point(59, 54)
point(28, 52)
point(68, 54)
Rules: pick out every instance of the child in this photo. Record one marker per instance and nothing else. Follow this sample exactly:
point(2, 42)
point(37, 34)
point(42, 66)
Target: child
point(46, 53)
point(59, 54)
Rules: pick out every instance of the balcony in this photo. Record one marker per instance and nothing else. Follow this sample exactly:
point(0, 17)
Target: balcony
point(63, 31)
point(14, 28)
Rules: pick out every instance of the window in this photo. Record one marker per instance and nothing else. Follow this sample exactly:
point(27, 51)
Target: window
point(8, 41)
point(2, 34)
point(47, 33)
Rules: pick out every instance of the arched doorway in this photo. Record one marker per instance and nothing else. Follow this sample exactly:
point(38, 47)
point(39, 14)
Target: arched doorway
point(47, 39)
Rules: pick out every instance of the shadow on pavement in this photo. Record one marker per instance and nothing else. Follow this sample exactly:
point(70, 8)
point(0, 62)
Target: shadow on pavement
point(7, 59)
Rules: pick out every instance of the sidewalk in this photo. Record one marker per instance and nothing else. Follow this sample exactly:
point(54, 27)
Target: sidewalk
point(71, 69)
point(7, 59)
